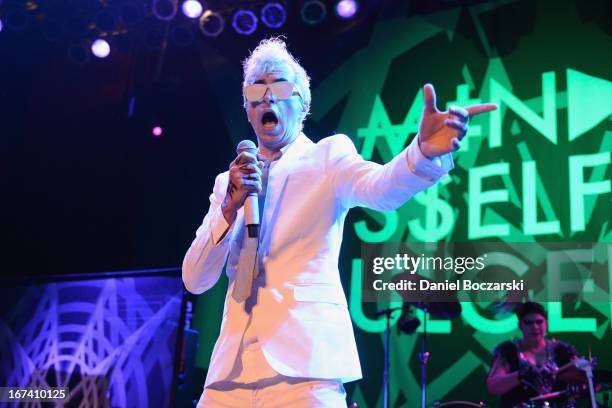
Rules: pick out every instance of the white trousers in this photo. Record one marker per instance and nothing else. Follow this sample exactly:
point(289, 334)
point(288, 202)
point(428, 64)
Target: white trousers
point(258, 386)
point(302, 393)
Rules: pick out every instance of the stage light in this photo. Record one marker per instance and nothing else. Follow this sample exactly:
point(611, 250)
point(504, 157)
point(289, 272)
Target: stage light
point(157, 131)
point(244, 22)
point(346, 9)
point(192, 8)
point(211, 23)
point(273, 15)
point(165, 10)
point(0, 25)
point(100, 48)
point(313, 12)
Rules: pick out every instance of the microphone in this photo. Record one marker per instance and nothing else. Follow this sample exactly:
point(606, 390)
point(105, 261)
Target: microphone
point(251, 204)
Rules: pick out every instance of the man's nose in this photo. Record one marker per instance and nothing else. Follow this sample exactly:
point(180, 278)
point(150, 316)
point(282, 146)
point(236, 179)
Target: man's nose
point(268, 96)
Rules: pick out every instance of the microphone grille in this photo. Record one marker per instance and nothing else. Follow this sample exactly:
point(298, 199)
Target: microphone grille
point(246, 146)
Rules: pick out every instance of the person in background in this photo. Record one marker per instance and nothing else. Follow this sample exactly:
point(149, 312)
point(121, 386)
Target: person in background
point(527, 367)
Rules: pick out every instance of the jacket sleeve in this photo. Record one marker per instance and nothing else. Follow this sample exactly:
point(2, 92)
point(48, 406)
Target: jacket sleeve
point(382, 187)
point(204, 261)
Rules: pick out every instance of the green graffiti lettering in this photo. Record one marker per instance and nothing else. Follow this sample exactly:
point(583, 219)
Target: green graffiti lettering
point(579, 188)
point(558, 261)
point(433, 326)
point(477, 198)
point(391, 220)
point(546, 125)
point(531, 225)
point(558, 323)
point(432, 231)
point(379, 125)
point(589, 101)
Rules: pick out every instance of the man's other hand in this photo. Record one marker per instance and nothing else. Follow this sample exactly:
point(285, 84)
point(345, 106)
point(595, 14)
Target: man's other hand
point(441, 132)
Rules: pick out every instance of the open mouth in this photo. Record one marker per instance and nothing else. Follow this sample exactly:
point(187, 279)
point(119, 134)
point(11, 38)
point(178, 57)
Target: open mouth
point(269, 119)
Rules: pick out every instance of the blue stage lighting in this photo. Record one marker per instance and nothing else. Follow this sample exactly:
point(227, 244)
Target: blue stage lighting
point(346, 9)
point(100, 48)
point(192, 8)
point(244, 22)
point(273, 15)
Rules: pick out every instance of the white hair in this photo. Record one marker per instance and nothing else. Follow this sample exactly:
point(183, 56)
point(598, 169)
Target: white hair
point(272, 54)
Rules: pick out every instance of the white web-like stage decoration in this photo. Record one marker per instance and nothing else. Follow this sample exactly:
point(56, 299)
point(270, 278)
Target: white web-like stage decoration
point(111, 342)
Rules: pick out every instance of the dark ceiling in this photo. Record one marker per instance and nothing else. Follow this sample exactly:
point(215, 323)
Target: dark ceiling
point(85, 186)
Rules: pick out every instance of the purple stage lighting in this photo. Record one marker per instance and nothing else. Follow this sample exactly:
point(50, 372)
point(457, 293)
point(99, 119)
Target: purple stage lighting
point(346, 9)
point(244, 22)
point(211, 24)
point(273, 15)
point(100, 48)
point(192, 8)
point(157, 131)
point(0, 25)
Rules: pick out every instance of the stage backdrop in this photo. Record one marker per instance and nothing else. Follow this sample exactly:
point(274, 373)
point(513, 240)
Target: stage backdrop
point(538, 169)
point(111, 339)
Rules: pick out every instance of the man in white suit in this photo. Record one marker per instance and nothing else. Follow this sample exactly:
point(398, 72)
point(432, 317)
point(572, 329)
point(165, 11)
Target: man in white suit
point(286, 338)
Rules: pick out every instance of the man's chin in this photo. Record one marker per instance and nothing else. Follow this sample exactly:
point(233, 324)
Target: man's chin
point(271, 135)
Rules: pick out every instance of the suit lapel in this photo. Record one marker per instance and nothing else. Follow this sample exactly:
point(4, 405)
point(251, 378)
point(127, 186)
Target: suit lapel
point(277, 180)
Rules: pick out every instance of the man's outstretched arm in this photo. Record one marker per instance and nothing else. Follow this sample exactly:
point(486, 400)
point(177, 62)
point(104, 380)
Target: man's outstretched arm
point(420, 165)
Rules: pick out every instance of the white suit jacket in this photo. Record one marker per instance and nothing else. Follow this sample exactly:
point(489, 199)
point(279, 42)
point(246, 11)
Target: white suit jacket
point(300, 317)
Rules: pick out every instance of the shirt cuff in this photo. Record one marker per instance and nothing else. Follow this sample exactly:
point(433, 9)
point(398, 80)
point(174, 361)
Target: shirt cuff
point(219, 227)
point(428, 169)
